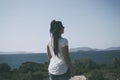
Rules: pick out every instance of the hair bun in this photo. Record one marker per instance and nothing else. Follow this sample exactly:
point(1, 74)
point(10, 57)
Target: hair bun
point(54, 20)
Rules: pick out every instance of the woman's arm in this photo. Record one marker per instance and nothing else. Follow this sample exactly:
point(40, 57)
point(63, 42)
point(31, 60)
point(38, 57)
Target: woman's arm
point(67, 59)
point(48, 53)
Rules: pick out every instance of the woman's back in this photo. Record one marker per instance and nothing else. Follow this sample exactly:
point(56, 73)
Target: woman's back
point(57, 63)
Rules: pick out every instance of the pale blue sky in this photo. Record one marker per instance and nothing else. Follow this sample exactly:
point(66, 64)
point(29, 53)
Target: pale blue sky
point(24, 24)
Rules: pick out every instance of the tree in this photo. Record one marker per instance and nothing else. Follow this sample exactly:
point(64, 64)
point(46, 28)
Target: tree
point(95, 75)
point(5, 73)
point(4, 67)
point(116, 62)
point(32, 71)
point(31, 67)
point(84, 66)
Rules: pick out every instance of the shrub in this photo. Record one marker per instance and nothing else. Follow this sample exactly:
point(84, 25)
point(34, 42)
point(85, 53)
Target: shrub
point(95, 75)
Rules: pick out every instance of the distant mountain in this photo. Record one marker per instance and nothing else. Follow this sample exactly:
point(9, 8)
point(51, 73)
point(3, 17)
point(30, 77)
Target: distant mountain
point(93, 49)
point(71, 50)
point(82, 49)
point(113, 48)
point(15, 52)
point(101, 57)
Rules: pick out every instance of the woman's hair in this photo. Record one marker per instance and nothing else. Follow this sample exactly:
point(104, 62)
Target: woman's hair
point(55, 32)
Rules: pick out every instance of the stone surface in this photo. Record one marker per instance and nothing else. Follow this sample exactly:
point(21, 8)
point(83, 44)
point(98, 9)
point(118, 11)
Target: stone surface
point(79, 77)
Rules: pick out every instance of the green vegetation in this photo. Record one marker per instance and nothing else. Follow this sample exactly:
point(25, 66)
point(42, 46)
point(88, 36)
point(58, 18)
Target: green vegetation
point(39, 71)
point(94, 71)
point(27, 71)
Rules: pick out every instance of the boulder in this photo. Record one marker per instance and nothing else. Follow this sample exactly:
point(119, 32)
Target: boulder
point(79, 77)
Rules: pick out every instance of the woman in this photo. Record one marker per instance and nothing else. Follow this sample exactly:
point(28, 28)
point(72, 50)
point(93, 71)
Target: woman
point(60, 67)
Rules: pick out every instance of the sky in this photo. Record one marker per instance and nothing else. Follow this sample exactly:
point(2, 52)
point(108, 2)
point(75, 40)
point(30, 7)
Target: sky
point(24, 24)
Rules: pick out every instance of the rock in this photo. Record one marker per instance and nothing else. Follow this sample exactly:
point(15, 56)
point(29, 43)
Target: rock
point(79, 77)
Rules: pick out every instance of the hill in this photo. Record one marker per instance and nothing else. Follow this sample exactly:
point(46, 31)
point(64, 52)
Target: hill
point(113, 48)
point(93, 49)
point(101, 57)
point(15, 60)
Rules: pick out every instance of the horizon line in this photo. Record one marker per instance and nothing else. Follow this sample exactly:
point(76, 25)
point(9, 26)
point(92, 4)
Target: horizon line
point(16, 52)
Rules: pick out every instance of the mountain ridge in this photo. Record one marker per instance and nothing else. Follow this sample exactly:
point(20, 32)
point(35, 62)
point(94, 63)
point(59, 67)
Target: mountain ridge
point(92, 49)
point(70, 50)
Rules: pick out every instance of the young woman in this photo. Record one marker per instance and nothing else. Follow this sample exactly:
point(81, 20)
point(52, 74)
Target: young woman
point(60, 67)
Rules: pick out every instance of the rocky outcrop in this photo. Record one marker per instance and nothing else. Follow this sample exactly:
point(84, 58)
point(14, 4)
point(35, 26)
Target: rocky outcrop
point(79, 77)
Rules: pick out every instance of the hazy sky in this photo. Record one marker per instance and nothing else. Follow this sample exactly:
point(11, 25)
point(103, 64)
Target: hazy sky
point(24, 24)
